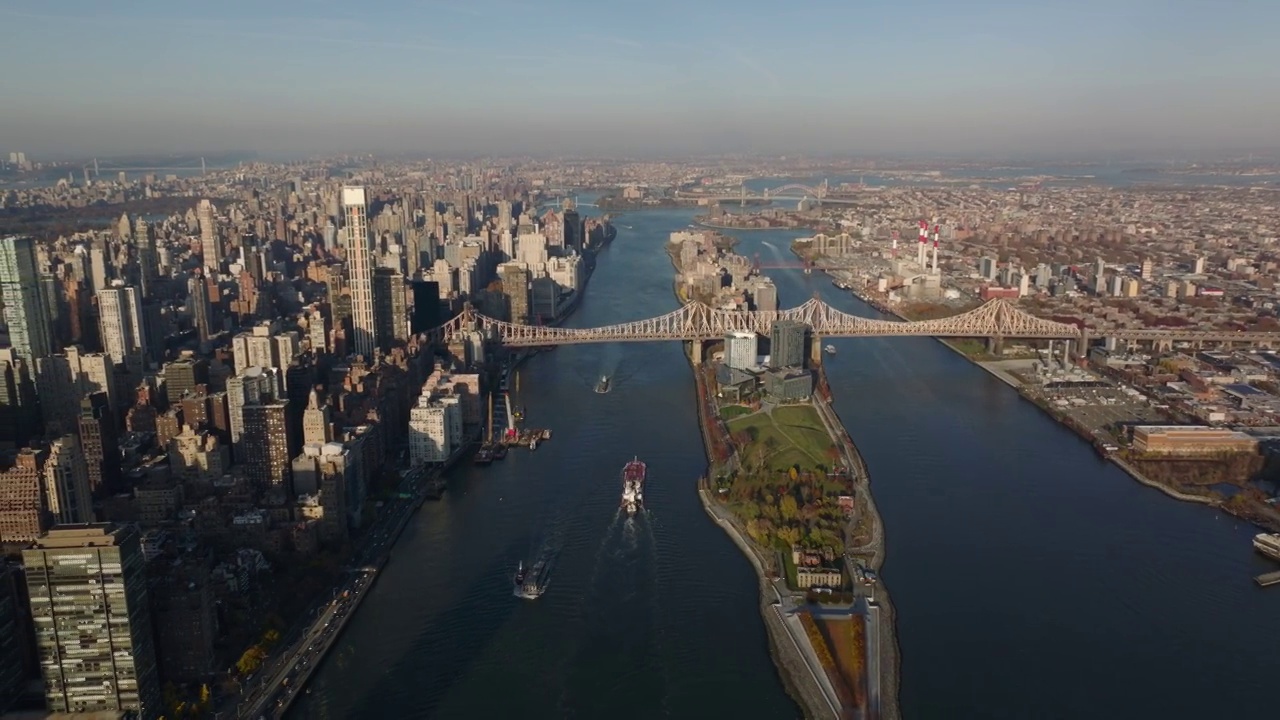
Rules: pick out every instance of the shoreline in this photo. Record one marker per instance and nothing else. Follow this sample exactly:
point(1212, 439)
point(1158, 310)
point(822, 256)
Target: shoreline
point(800, 679)
point(1130, 470)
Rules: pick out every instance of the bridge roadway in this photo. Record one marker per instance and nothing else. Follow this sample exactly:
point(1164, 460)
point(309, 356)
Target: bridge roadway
point(997, 319)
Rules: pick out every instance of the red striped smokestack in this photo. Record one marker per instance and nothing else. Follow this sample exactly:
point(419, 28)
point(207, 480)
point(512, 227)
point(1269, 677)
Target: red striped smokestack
point(935, 236)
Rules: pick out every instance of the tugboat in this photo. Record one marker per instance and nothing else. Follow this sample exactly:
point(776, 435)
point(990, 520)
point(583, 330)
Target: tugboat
point(633, 474)
point(531, 584)
point(602, 387)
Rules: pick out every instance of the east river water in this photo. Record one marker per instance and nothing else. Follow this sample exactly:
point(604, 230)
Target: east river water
point(1030, 578)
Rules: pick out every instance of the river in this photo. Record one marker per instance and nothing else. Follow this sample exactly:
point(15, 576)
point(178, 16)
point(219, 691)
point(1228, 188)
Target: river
point(1030, 578)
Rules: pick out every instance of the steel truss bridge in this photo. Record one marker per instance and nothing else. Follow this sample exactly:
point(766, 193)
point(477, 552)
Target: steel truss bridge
point(790, 191)
point(996, 319)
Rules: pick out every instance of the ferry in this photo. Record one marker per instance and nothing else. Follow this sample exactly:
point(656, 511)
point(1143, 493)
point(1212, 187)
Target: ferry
point(1268, 544)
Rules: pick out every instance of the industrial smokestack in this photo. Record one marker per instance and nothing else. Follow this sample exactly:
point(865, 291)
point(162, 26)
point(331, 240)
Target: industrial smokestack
point(920, 247)
point(895, 244)
point(935, 248)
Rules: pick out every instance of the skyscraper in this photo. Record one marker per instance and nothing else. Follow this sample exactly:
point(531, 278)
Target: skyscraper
point(99, 445)
point(89, 605)
point(426, 306)
point(200, 307)
point(19, 403)
point(360, 271)
point(740, 350)
point(144, 239)
point(124, 335)
point(24, 309)
point(787, 343)
point(266, 443)
point(12, 619)
point(255, 385)
point(210, 247)
point(66, 483)
point(389, 307)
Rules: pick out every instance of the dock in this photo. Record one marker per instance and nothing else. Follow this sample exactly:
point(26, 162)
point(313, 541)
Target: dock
point(527, 438)
point(1268, 579)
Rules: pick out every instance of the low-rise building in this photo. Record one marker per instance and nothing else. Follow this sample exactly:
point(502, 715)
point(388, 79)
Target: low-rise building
point(1190, 440)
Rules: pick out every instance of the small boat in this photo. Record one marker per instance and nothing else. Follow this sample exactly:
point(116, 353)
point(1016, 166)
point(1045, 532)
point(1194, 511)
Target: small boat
point(830, 349)
point(602, 387)
point(499, 451)
point(483, 456)
point(533, 444)
point(531, 584)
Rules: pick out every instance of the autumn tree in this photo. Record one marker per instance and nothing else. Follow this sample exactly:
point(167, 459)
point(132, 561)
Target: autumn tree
point(787, 508)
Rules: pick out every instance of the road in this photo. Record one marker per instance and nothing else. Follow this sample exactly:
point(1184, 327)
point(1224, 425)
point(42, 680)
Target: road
point(276, 684)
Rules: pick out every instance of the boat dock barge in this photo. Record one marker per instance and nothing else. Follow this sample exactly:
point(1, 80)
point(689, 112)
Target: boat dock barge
point(1268, 579)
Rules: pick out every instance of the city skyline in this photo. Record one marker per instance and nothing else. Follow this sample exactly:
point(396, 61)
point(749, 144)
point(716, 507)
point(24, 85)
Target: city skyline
point(497, 77)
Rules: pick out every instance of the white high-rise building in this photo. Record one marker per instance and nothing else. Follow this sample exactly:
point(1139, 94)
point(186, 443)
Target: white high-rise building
point(740, 350)
point(435, 428)
point(253, 349)
point(210, 247)
point(360, 270)
point(24, 308)
point(120, 319)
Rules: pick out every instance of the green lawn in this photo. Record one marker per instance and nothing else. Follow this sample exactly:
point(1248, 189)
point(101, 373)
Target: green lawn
point(799, 437)
point(729, 412)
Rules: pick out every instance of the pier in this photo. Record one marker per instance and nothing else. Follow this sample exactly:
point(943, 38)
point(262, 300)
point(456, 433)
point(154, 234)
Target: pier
point(1268, 579)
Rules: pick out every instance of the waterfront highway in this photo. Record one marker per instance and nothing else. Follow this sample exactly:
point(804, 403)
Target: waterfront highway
point(285, 673)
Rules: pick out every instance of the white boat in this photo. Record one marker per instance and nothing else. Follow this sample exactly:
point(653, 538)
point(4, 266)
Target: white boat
point(602, 387)
point(1268, 544)
point(831, 349)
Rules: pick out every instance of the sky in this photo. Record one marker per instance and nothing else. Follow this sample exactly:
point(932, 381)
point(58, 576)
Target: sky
point(609, 77)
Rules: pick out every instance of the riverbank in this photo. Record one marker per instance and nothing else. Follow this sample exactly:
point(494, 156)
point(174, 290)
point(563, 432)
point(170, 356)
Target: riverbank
point(1080, 432)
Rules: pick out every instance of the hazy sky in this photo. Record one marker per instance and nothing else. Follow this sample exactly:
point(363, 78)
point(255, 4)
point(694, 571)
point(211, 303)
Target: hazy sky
point(619, 76)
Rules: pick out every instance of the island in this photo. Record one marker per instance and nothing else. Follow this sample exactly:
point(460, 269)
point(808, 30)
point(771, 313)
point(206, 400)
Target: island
point(787, 484)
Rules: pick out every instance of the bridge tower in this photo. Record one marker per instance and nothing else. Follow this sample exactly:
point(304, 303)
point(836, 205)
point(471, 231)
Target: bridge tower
point(742, 194)
point(815, 349)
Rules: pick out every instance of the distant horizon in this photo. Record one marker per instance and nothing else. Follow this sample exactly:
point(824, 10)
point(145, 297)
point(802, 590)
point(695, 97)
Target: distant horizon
point(1260, 155)
point(1160, 78)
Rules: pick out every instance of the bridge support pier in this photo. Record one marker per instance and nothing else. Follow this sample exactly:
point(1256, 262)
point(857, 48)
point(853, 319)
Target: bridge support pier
point(1082, 349)
point(995, 345)
point(695, 351)
point(815, 349)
